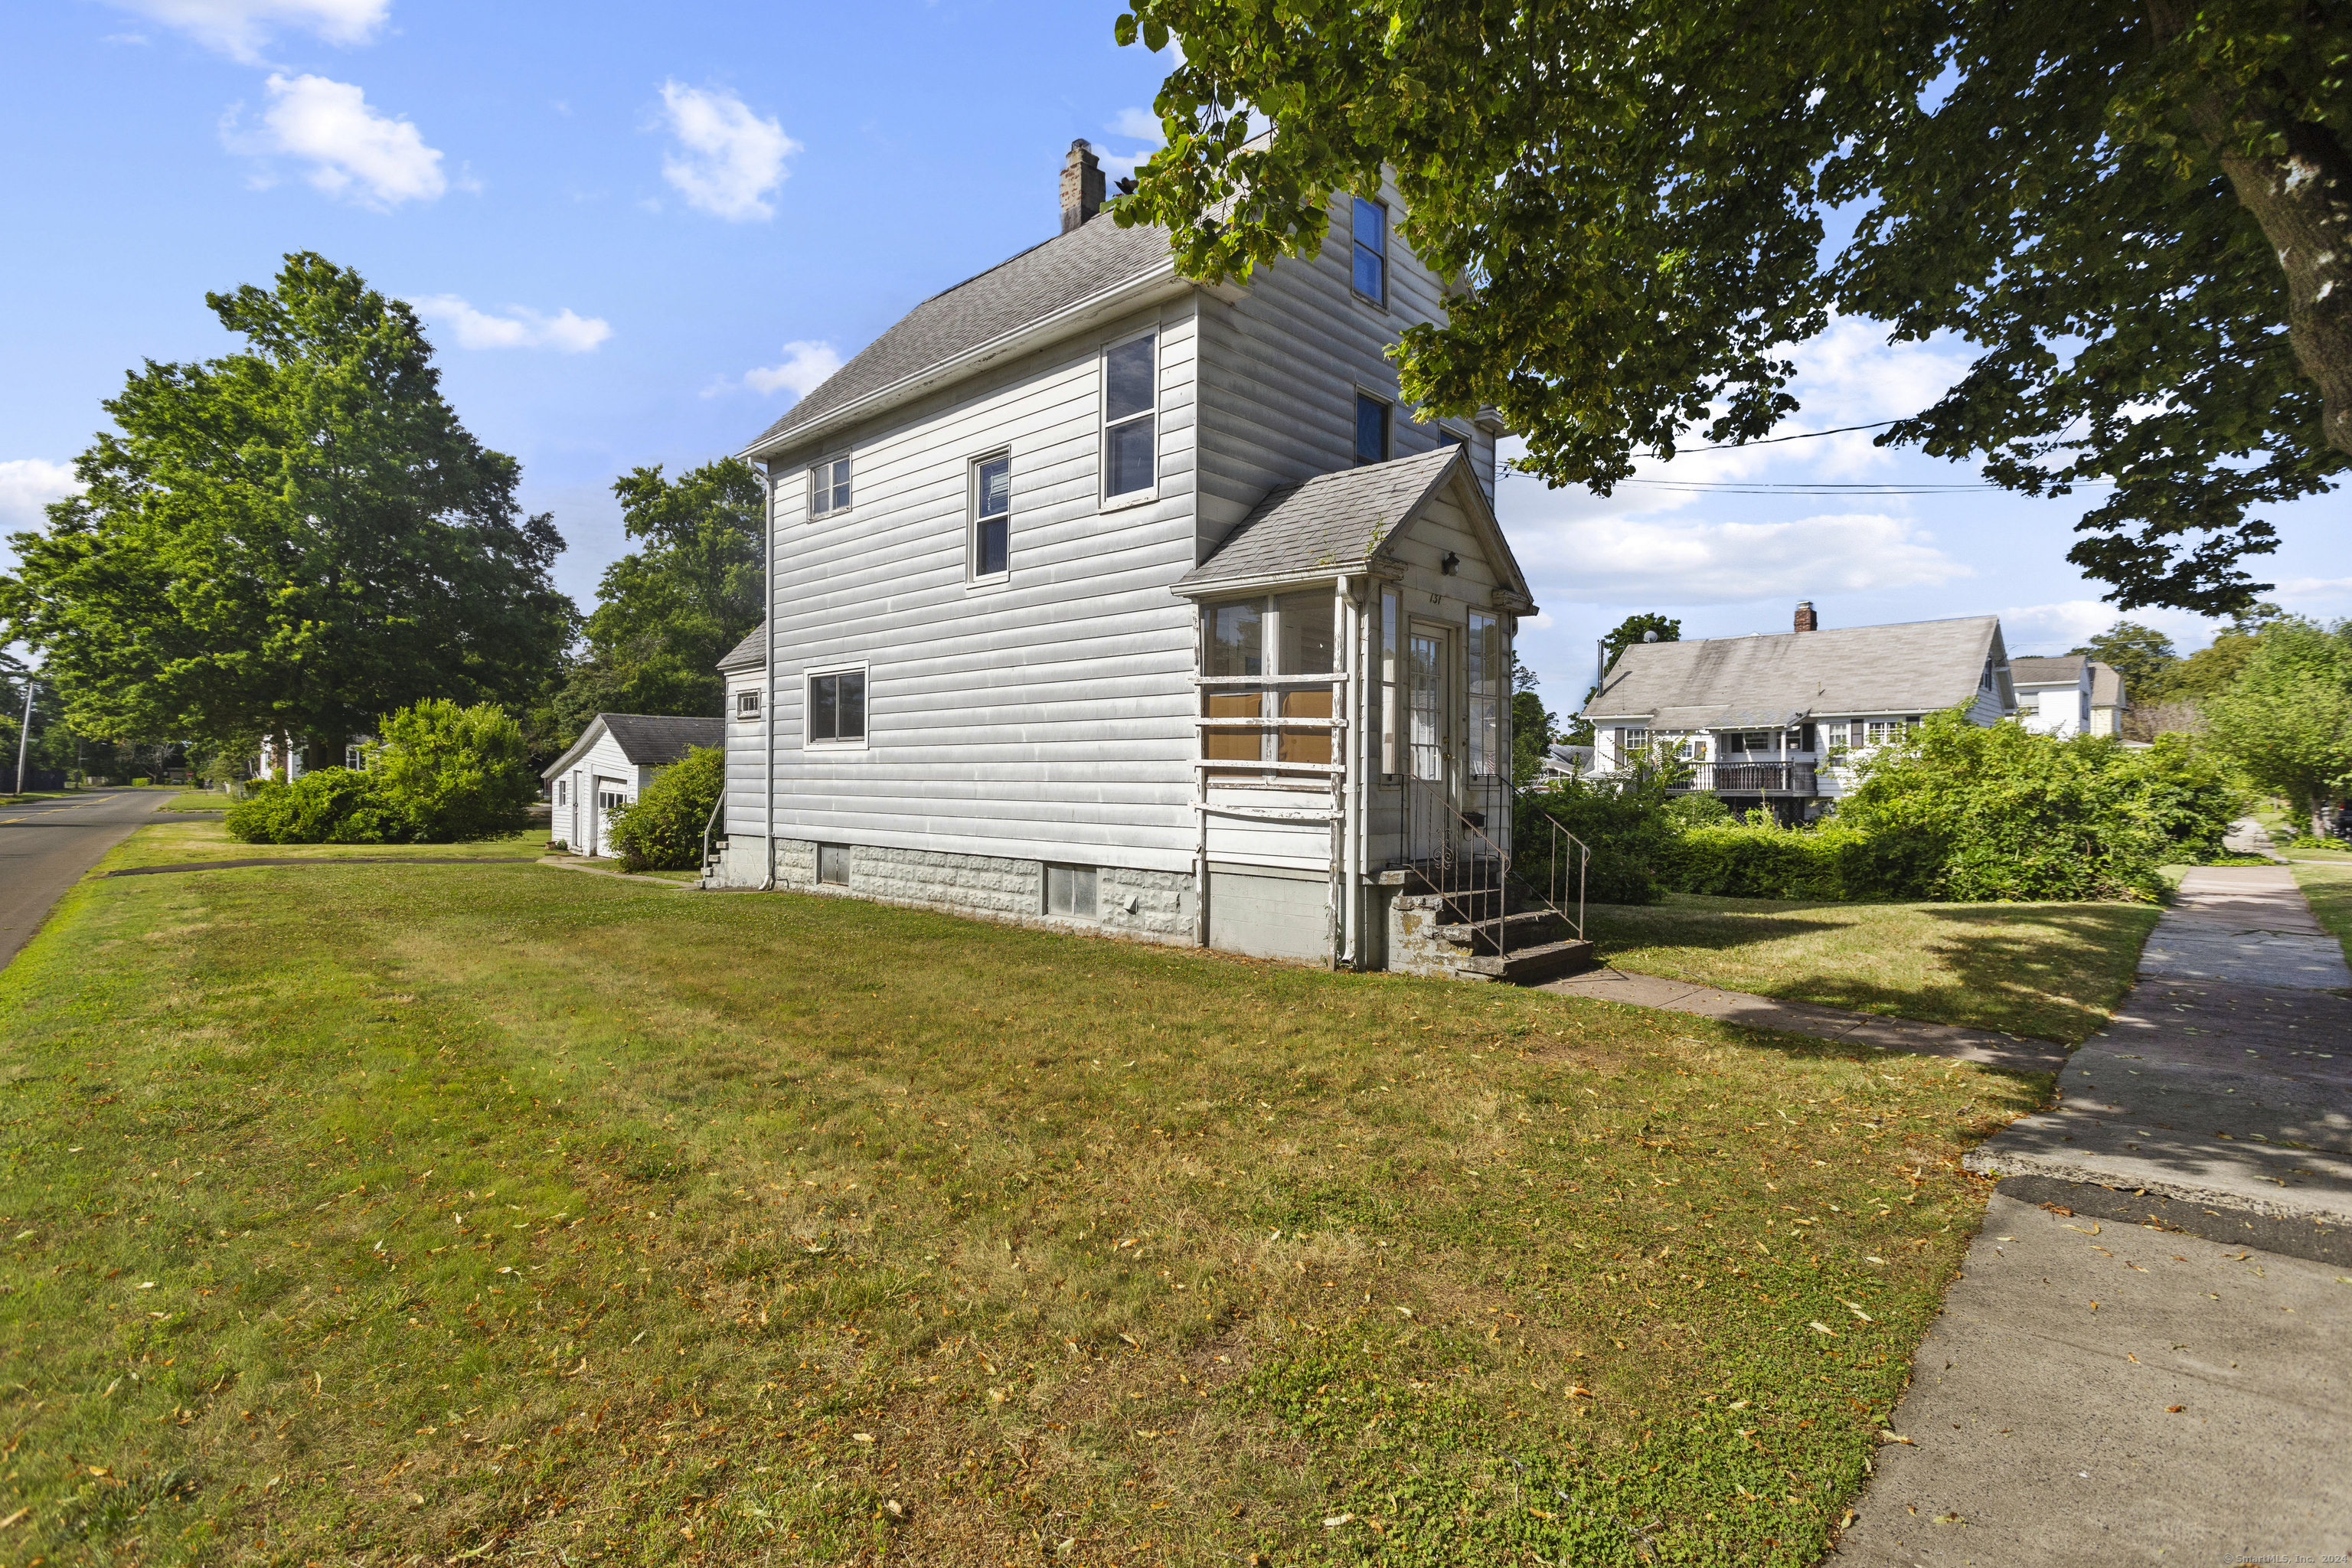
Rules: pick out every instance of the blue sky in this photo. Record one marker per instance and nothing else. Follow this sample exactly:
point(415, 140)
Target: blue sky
point(639, 232)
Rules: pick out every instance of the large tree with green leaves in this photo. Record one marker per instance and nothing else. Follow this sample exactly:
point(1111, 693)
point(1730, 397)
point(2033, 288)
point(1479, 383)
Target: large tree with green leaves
point(288, 541)
point(2286, 720)
point(668, 612)
point(2138, 211)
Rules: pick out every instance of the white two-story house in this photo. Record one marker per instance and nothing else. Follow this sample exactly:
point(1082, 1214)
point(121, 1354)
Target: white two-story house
point(1103, 599)
point(2069, 694)
point(1774, 722)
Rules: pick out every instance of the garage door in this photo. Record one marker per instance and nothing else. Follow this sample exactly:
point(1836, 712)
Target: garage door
point(1268, 915)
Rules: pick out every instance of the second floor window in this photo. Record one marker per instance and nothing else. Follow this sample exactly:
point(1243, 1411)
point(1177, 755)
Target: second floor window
point(1130, 388)
point(1372, 430)
point(836, 707)
point(991, 521)
point(1371, 275)
point(829, 488)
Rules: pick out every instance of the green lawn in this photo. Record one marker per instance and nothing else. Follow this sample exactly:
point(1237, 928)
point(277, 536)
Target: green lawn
point(495, 1212)
point(199, 800)
point(2051, 971)
point(2329, 889)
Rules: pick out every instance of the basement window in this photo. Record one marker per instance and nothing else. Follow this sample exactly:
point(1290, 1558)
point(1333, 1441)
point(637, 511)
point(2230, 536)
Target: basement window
point(833, 864)
point(1070, 890)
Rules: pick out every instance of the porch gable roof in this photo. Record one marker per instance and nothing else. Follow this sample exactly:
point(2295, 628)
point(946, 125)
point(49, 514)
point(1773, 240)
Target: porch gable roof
point(1347, 522)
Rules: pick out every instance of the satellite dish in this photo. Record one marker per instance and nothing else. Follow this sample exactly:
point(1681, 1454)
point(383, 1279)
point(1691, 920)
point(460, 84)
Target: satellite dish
point(1651, 635)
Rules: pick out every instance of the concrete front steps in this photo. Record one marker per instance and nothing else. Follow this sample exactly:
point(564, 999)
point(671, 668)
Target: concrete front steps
point(1457, 935)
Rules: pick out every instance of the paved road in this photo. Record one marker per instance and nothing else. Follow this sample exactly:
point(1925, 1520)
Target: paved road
point(2143, 1359)
point(45, 847)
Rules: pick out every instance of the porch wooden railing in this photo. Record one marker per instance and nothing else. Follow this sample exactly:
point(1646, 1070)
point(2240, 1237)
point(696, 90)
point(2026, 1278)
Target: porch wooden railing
point(1745, 778)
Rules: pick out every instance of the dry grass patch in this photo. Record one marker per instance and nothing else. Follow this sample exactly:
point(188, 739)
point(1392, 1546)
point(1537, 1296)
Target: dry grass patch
point(2053, 972)
point(401, 1212)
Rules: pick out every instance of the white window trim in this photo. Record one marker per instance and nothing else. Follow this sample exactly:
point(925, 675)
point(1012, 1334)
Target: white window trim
point(808, 676)
point(808, 479)
point(1104, 499)
point(972, 576)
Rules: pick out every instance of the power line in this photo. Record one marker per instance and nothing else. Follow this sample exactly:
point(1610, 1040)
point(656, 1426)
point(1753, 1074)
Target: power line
point(1800, 436)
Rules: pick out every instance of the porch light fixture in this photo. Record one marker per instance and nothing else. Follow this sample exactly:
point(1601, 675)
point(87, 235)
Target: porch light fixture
point(1449, 563)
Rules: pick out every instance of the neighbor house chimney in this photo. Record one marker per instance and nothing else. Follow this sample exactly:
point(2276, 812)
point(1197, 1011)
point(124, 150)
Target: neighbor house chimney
point(1806, 620)
point(1082, 185)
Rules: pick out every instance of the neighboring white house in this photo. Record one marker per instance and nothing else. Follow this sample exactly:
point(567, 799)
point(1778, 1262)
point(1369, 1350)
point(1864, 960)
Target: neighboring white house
point(2068, 695)
point(1103, 599)
point(1767, 720)
point(269, 763)
point(614, 758)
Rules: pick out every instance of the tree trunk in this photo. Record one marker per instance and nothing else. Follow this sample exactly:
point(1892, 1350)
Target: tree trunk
point(2301, 197)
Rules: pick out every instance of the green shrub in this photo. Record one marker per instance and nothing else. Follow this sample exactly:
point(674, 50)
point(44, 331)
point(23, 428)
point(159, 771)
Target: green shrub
point(139, 783)
point(1624, 823)
point(1698, 809)
point(452, 773)
point(331, 805)
point(661, 830)
point(1763, 860)
point(1961, 812)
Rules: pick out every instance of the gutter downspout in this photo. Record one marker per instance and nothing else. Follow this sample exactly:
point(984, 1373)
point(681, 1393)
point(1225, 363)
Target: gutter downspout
point(767, 671)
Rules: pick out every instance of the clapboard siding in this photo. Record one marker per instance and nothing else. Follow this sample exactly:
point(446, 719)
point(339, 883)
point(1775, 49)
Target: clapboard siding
point(1281, 365)
point(1048, 716)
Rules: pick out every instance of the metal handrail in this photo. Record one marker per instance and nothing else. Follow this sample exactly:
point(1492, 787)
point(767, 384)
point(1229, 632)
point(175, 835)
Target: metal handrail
point(716, 806)
point(1453, 865)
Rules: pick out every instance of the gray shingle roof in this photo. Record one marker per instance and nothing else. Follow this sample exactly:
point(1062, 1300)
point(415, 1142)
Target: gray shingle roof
point(1329, 524)
point(2106, 686)
point(2060, 670)
point(750, 653)
point(1758, 681)
point(1029, 287)
point(652, 740)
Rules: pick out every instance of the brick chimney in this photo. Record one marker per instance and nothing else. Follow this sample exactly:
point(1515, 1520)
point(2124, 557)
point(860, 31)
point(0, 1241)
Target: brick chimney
point(1082, 185)
point(1806, 620)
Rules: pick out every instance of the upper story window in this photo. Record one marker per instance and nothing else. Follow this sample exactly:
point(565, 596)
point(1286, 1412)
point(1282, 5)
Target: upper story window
point(829, 488)
point(992, 516)
point(1372, 227)
point(747, 705)
point(836, 707)
point(1372, 429)
point(1130, 398)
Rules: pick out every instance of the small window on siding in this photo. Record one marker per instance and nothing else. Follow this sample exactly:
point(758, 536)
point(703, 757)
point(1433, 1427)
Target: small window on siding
point(559, 792)
point(1372, 430)
point(1841, 736)
point(829, 488)
point(747, 705)
point(836, 708)
point(1130, 398)
point(1070, 890)
point(355, 757)
point(1371, 275)
point(992, 516)
point(833, 864)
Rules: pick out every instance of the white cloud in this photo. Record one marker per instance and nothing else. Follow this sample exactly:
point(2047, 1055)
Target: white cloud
point(520, 327)
point(240, 27)
point(1619, 559)
point(28, 484)
point(804, 368)
point(1133, 125)
point(730, 158)
point(354, 151)
point(2055, 627)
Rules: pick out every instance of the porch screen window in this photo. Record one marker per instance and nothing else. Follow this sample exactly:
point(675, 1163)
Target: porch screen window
point(1307, 649)
point(836, 708)
point(1372, 227)
point(829, 488)
point(1388, 761)
point(1372, 430)
point(1236, 648)
point(1485, 695)
point(991, 529)
point(1070, 890)
point(1130, 389)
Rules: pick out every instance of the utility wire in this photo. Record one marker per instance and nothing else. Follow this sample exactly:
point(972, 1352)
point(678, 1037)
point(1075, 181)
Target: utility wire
point(1774, 440)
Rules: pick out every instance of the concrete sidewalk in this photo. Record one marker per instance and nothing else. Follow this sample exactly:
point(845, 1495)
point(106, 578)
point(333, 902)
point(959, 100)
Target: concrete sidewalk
point(2112, 1380)
point(1987, 1045)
